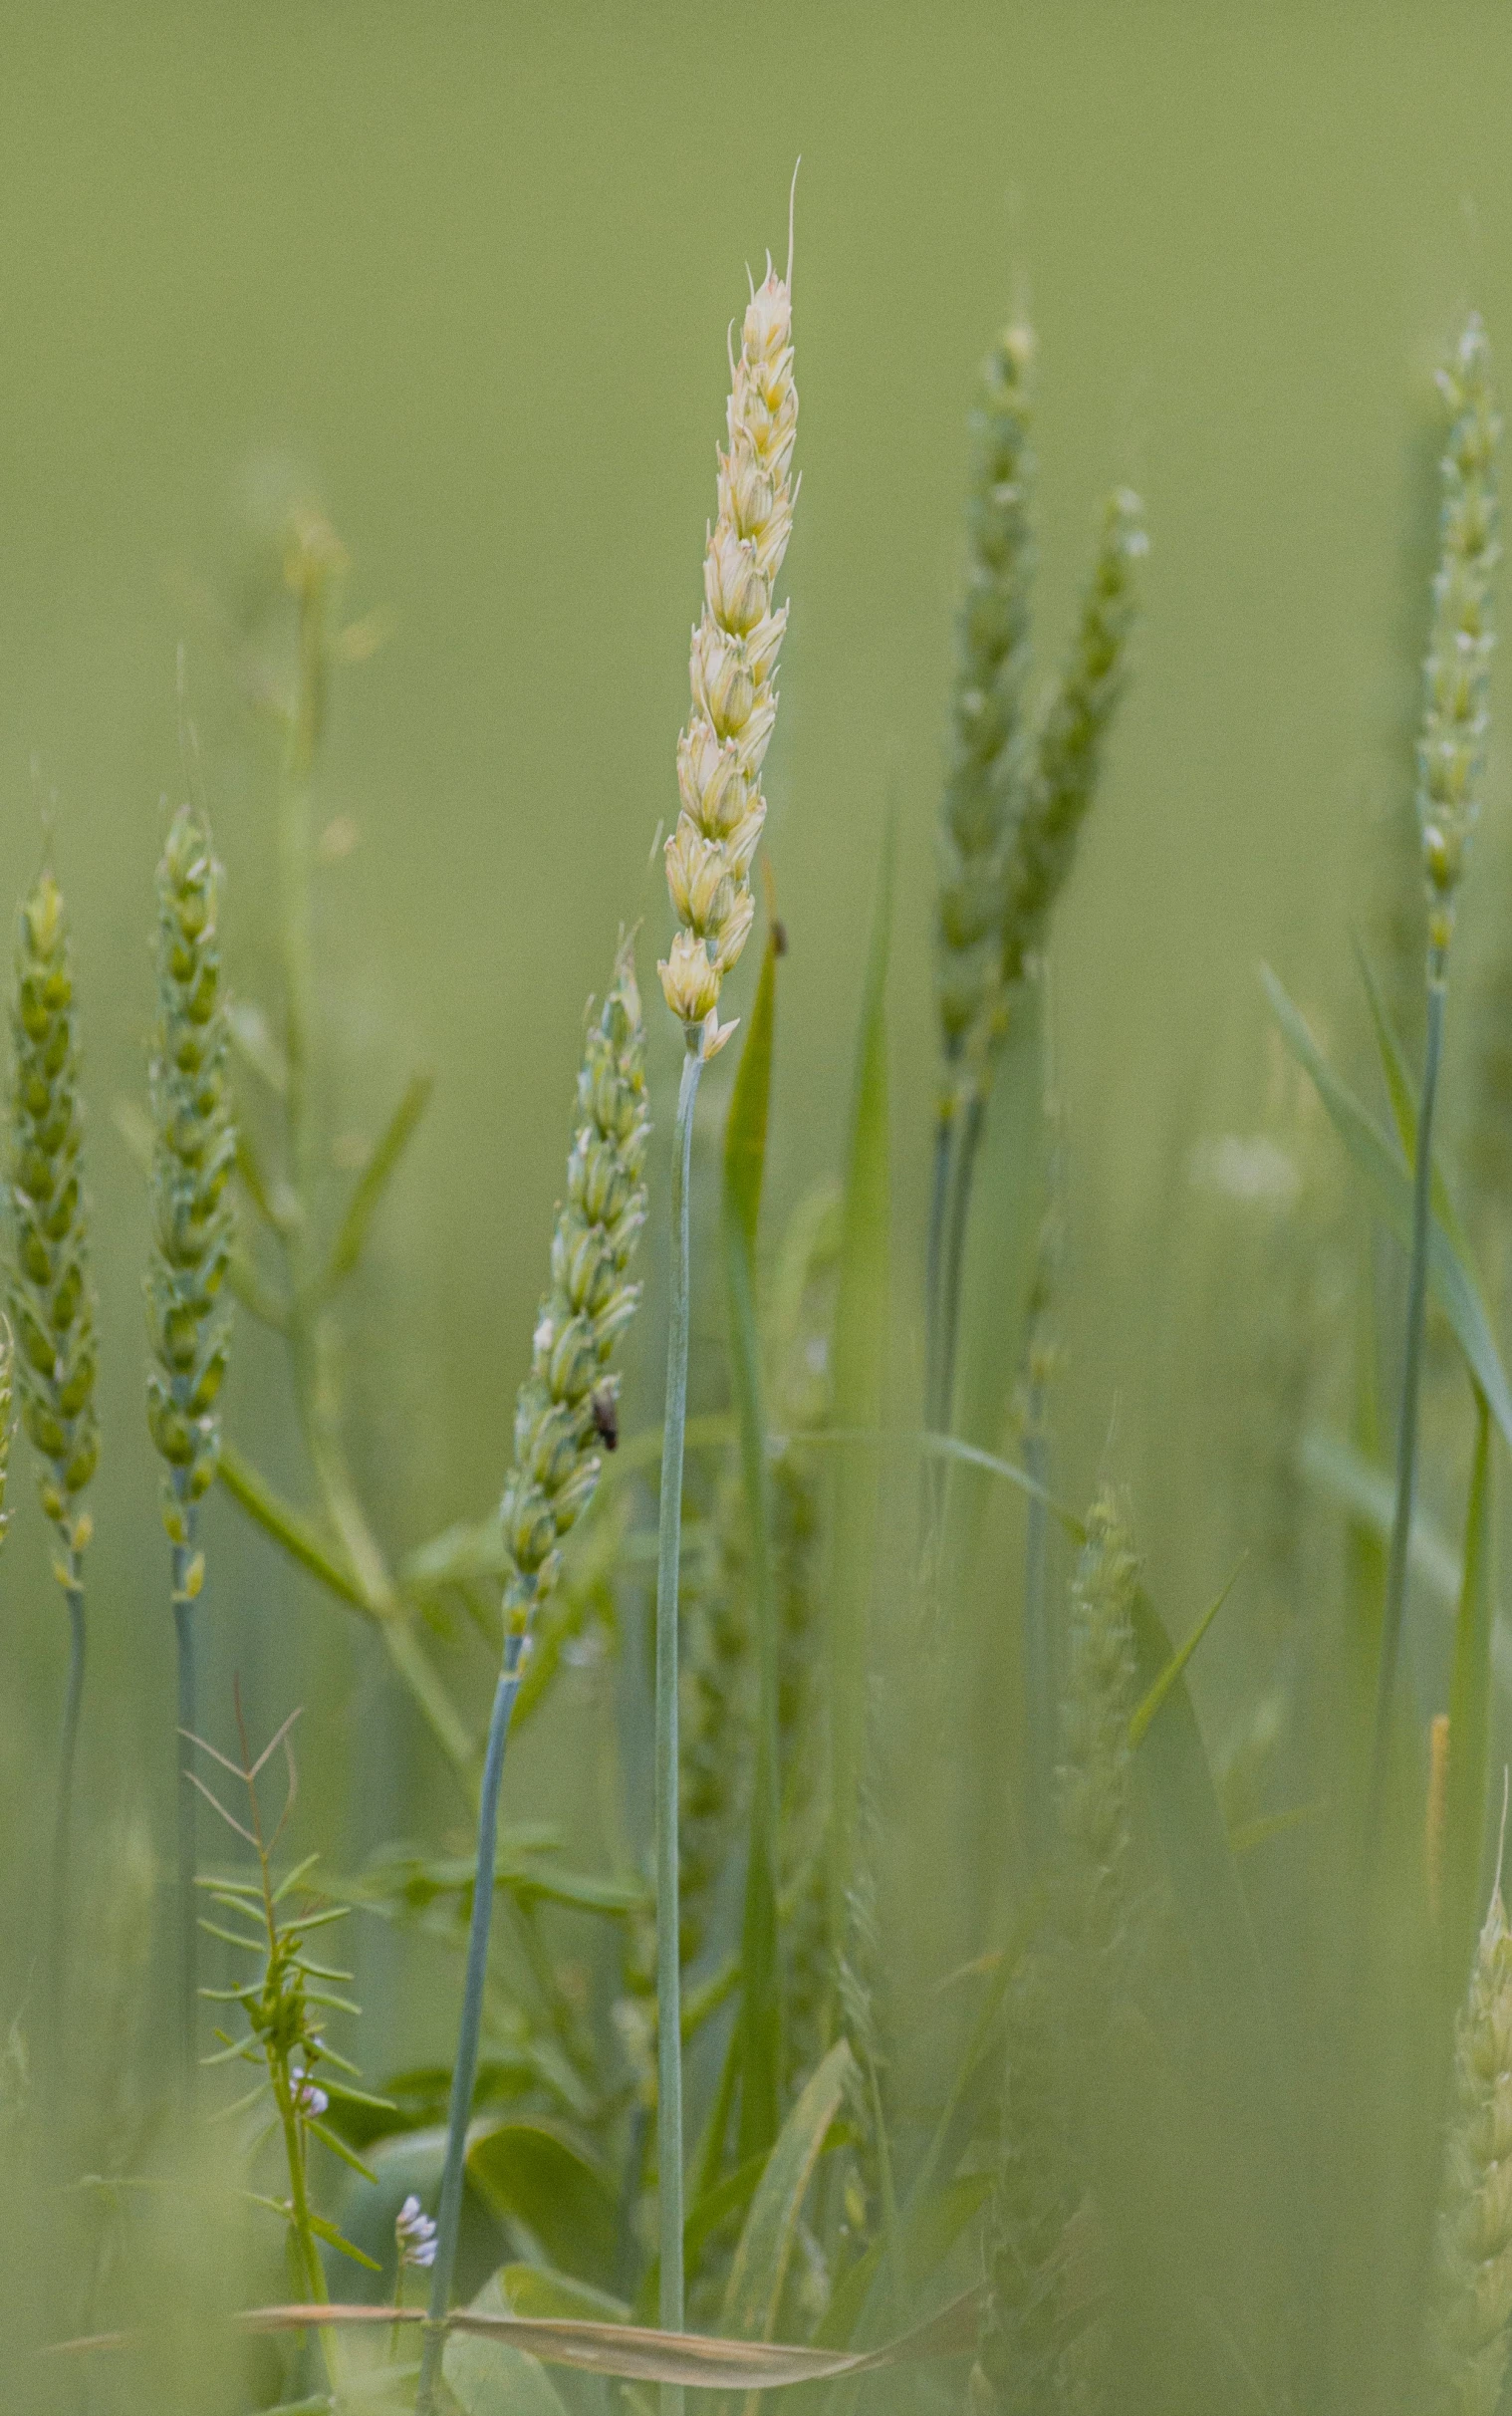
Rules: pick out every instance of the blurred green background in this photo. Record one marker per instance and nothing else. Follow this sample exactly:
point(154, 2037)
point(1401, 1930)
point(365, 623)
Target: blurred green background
point(468, 270)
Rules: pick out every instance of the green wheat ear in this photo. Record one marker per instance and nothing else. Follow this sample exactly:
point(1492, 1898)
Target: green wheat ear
point(52, 1306)
point(52, 1302)
point(188, 1316)
point(563, 1402)
point(986, 709)
point(192, 1160)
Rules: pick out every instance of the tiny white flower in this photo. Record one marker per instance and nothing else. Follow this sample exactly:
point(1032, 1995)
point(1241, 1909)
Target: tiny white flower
point(414, 2234)
point(310, 2099)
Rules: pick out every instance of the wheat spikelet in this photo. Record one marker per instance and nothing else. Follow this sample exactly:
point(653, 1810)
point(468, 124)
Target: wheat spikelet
point(193, 1154)
point(1472, 2278)
point(734, 660)
point(51, 1303)
point(1456, 675)
point(992, 662)
point(570, 1390)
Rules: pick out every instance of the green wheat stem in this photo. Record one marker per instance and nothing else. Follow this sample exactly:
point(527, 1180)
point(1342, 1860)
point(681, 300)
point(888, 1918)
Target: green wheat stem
point(464, 2070)
point(188, 1914)
point(1039, 1675)
point(68, 1747)
point(956, 1223)
point(1412, 1380)
point(939, 1199)
point(668, 1543)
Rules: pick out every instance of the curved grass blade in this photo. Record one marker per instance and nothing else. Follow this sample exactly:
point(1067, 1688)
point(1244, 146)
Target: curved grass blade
point(1152, 1702)
point(374, 1178)
point(1400, 1091)
point(1470, 1719)
point(633, 2355)
point(861, 1336)
point(745, 1146)
point(754, 2290)
point(1453, 1285)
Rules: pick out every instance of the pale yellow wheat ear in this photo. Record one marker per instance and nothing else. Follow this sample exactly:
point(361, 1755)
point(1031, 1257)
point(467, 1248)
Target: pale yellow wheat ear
point(733, 664)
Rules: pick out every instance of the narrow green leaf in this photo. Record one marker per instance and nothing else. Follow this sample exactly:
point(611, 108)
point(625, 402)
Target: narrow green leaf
point(375, 1178)
point(862, 1325)
point(344, 2248)
point(298, 1536)
point(1401, 1091)
point(1469, 1717)
point(1152, 1702)
point(338, 2148)
point(745, 1146)
point(1452, 1283)
point(754, 2290)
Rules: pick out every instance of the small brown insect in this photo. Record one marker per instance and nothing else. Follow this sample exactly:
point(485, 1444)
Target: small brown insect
point(779, 936)
point(606, 1416)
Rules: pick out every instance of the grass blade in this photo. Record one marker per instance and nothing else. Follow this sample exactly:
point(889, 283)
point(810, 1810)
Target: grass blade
point(745, 1144)
point(374, 1178)
point(860, 1330)
point(1470, 1719)
point(1452, 1284)
point(754, 2290)
point(1152, 1702)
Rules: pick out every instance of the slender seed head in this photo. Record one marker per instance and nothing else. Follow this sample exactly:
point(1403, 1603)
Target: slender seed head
point(733, 663)
point(564, 1402)
point(992, 664)
point(1451, 754)
point(1472, 2277)
point(52, 1302)
point(189, 1314)
point(1068, 757)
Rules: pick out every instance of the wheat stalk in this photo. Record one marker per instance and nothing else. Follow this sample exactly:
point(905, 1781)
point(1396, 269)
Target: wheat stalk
point(709, 861)
point(561, 1416)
